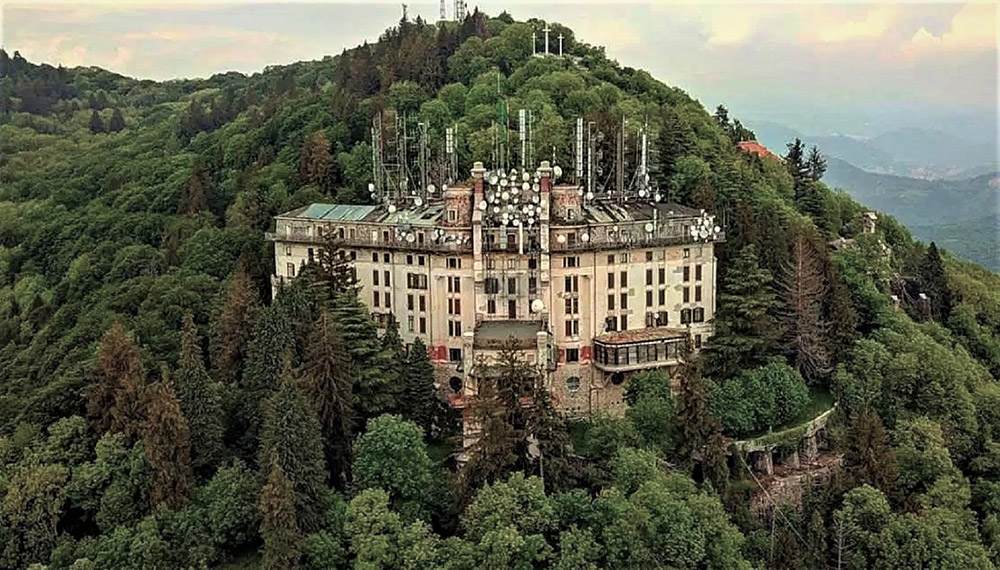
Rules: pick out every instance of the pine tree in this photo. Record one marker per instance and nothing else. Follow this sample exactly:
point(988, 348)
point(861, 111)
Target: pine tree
point(817, 164)
point(333, 273)
point(699, 441)
point(839, 311)
point(291, 434)
point(315, 161)
point(200, 399)
point(327, 381)
point(194, 197)
point(745, 328)
point(167, 443)
point(934, 284)
point(96, 124)
point(807, 191)
point(374, 372)
point(279, 527)
point(117, 122)
point(803, 287)
point(424, 404)
point(233, 325)
point(675, 140)
point(868, 457)
point(116, 401)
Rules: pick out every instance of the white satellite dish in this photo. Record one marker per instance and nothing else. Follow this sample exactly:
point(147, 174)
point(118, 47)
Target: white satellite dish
point(557, 170)
point(483, 205)
point(431, 188)
point(392, 208)
point(537, 306)
point(579, 191)
point(494, 179)
point(561, 238)
point(411, 238)
point(525, 176)
point(717, 229)
point(418, 201)
point(590, 195)
point(505, 195)
point(496, 209)
point(526, 186)
point(504, 182)
point(642, 193)
point(584, 238)
point(371, 187)
point(649, 228)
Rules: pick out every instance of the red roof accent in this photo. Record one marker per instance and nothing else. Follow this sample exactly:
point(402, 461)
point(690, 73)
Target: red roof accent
point(754, 147)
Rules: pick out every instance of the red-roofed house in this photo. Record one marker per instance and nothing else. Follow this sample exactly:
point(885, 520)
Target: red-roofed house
point(755, 147)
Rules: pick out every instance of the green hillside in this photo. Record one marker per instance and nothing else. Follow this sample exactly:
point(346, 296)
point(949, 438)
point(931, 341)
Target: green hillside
point(132, 220)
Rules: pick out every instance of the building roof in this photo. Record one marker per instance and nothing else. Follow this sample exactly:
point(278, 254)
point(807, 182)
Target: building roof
point(494, 334)
point(754, 147)
point(648, 334)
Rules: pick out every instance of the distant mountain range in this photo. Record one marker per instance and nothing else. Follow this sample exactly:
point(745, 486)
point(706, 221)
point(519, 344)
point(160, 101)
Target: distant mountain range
point(912, 152)
point(944, 189)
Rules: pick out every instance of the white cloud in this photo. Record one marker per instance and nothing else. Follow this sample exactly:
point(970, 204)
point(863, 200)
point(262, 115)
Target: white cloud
point(974, 27)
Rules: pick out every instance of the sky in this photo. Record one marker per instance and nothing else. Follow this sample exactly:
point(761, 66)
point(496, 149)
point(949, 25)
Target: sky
point(849, 68)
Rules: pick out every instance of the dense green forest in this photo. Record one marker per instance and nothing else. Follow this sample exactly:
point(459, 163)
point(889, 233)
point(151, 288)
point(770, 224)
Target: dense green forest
point(158, 411)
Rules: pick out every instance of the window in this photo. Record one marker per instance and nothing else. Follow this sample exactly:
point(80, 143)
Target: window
point(455, 383)
point(452, 215)
point(423, 325)
point(611, 280)
point(649, 256)
point(571, 238)
point(611, 301)
point(512, 285)
point(662, 276)
point(512, 263)
point(687, 273)
point(409, 323)
point(698, 315)
point(416, 281)
point(697, 272)
point(385, 236)
point(650, 319)
point(374, 257)
point(570, 213)
point(532, 263)
point(290, 269)
point(571, 284)
point(649, 277)
point(624, 279)
point(697, 293)
point(624, 321)
point(687, 294)
point(662, 319)
point(491, 306)
point(388, 299)
point(386, 281)
point(409, 260)
point(611, 259)
point(288, 250)
point(623, 257)
point(649, 298)
point(454, 306)
point(687, 253)
point(511, 309)
point(685, 316)
point(409, 302)
point(354, 255)
point(572, 306)
point(492, 285)
point(422, 303)
point(310, 255)
point(455, 354)
point(572, 327)
point(375, 277)
point(572, 355)
point(662, 297)
point(454, 285)
point(385, 258)
point(454, 263)
point(571, 261)
point(375, 298)
point(532, 285)
point(455, 328)
point(611, 324)
point(624, 301)
point(573, 384)
point(697, 341)
point(420, 260)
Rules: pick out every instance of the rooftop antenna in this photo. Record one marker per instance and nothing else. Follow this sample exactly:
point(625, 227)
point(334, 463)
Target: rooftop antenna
point(534, 41)
point(620, 162)
point(459, 10)
point(444, 11)
point(404, 12)
point(590, 158)
point(449, 149)
point(522, 128)
point(560, 45)
point(578, 152)
point(547, 30)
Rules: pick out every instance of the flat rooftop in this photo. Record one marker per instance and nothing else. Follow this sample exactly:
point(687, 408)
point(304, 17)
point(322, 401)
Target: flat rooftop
point(650, 334)
point(495, 334)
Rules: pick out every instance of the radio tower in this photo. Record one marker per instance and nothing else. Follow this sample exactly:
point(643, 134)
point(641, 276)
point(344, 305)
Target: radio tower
point(459, 10)
point(444, 11)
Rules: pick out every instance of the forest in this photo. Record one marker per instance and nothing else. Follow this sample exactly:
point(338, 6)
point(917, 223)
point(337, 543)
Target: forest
point(158, 410)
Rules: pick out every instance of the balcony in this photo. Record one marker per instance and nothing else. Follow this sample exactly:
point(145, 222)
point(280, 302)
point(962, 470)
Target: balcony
point(639, 349)
point(633, 235)
point(367, 239)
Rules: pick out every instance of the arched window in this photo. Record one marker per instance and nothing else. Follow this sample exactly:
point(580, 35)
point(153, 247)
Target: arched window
point(617, 378)
point(455, 383)
point(573, 383)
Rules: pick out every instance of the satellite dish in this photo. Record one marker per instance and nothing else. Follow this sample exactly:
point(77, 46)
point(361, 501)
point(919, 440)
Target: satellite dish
point(703, 233)
point(371, 187)
point(534, 199)
point(525, 176)
point(584, 238)
point(496, 209)
point(418, 201)
point(649, 228)
point(561, 238)
point(557, 170)
point(642, 193)
point(505, 195)
point(483, 205)
point(392, 208)
point(494, 179)
point(590, 195)
point(717, 229)
point(504, 182)
point(580, 191)
point(526, 186)
point(431, 188)
point(537, 306)
point(658, 196)
point(411, 238)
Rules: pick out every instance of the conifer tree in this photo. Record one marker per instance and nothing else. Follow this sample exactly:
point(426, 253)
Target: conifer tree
point(423, 403)
point(745, 327)
point(292, 436)
point(233, 325)
point(96, 124)
point(327, 381)
point(117, 122)
point(839, 311)
point(167, 442)
point(333, 273)
point(699, 429)
point(934, 283)
point(374, 373)
point(817, 164)
point(279, 526)
point(675, 140)
point(115, 402)
point(201, 400)
point(267, 356)
point(868, 457)
point(315, 161)
point(194, 197)
point(803, 288)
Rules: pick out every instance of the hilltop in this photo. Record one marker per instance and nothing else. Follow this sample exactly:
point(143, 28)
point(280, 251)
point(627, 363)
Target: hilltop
point(132, 220)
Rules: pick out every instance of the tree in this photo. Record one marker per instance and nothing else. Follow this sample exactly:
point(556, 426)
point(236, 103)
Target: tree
point(194, 197)
point(745, 328)
point(868, 457)
point(651, 410)
point(30, 511)
point(425, 406)
point(934, 283)
point(291, 436)
point(315, 161)
point(374, 379)
point(391, 455)
point(279, 525)
point(96, 124)
point(326, 374)
point(675, 140)
point(803, 287)
point(817, 164)
point(115, 402)
point(801, 168)
point(200, 399)
point(117, 122)
point(333, 274)
point(232, 327)
point(167, 443)
point(268, 354)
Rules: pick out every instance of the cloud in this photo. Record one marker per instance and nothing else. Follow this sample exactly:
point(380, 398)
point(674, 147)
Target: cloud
point(875, 23)
point(973, 28)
